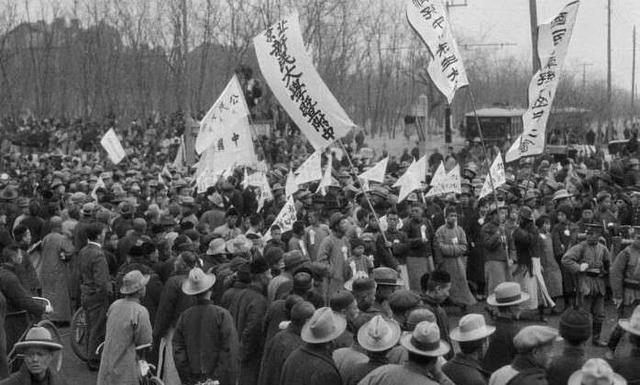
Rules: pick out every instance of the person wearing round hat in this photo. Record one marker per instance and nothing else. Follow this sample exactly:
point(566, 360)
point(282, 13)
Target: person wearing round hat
point(505, 297)
point(598, 371)
point(424, 348)
point(282, 283)
point(205, 342)
point(472, 335)
point(589, 261)
point(128, 333)
point(216, 253)
point(387, 282)
point(281, 345)
point(534, 345)
point(312, 364)
point(627, 365)
point(378, 336)
point(38, 350)
point(575, 329)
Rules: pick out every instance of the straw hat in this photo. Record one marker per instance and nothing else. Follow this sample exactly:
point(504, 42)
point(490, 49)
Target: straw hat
point(425, 340)
point(379, 334)
point(37, 337)
point(324, 326)
point(507, 294)
point(133, 281)
point(561, 194)
point(198, 282)
point(471, 327)
point(596, 371)
point(239, 244)
point(217, 246)
point(632, 325)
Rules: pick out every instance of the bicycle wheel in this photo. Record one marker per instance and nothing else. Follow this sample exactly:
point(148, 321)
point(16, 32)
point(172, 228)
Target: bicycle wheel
point(80, 335)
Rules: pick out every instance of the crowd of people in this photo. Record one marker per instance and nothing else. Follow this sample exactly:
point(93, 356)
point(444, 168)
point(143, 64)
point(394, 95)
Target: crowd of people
point(360, 290)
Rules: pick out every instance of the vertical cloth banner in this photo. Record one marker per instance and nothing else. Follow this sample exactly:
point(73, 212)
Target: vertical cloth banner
point(327, 178)
point(429, 19)
point(310, 170)
point(180, 159)
point(290, 186)
point(375, 173)
point(289, 71)
point(225, 112)
point(445, 182)
point(496, 172)
point(112, 145)
point(412, 178)
point(285, 218)
point(553, 44)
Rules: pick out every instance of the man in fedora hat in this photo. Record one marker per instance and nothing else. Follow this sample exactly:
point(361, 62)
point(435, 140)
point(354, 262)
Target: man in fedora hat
point(627, 366)
point(377, 337)
point(589, 261)
point(424, 347)
point(128, 333)
point(387, 282)
point(37, 348)
point(311, 364)
point(472, 335)
point(278, 348)
point(506, 297)
point(598, 371)
point(205, 342)
point(534, 345)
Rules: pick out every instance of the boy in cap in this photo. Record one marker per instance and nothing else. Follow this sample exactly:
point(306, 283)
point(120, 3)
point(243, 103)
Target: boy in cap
point(534, 345)
point(205, 342)
point(128, 333)
point(589, 261)
point(575, 329)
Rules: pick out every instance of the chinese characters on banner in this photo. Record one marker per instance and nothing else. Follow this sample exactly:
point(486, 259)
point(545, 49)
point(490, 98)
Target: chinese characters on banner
point(285, 218)
point(496, 172)
point(228, 110)
point(553, 44)
point(112, 145)
point(429, 19)
point(287, 68)
point(445, 182)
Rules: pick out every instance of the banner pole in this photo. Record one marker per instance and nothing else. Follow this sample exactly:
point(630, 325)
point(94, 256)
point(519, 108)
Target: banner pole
point(484, 148)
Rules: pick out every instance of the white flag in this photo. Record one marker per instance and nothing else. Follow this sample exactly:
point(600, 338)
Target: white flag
point(290, 186)
point(412, 178)
point(112, 145)
point(99, 184)
point(180, 158)
point(288, 69)
point(498, 177)
point(376, 173)
point(445, 182)
point(429, 19)
point(327, 178)
point(207, 178)
point(228, 110)
point(310, 170)
point(553, 44)
point(285, 218)
point(265, 193)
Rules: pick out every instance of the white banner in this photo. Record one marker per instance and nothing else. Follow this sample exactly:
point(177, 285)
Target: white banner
point(112, 145)
point(553, 44)
point(228, 110)
point(376, 173)
point(264, 192)
point(288, 69)
point(412, 178)
point(290, 186)
point(327, 178)
point(310, 170)
point(180, 158)
point(445, 182)
point(285, 218)
point(429, 19)
point(496, 172)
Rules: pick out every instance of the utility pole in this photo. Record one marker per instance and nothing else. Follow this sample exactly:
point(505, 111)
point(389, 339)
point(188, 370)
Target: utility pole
point(533, 21)
point(633, 70)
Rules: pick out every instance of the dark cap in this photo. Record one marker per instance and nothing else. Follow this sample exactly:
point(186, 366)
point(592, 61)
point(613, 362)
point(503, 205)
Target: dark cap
point(341, 300)
point(575, 325)
point(258, 266)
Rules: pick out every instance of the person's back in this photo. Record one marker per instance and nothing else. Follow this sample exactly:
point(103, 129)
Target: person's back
point(319, 367)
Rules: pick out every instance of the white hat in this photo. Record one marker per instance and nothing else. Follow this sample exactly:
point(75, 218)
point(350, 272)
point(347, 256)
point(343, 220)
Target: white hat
point(324, 326)
point(425, 340)
point(507, 294)
point(133, 281)
point(198, 282)
point(596, 371)
point(632, 325)
point(471, 327)
point(379, 334)
point(38, 337)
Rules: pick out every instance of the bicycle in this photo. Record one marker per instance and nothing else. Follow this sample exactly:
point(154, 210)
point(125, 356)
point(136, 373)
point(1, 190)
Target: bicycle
point(15, 359)
point(79, 334)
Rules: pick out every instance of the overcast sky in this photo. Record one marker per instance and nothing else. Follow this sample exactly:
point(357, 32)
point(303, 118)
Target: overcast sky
point(508, 21)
